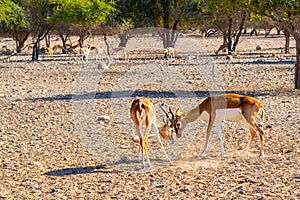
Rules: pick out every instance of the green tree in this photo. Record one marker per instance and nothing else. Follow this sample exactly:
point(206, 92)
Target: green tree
point(227, 16)
point(82, 13)
point(166, 14)
point(287, 14)
point(39, 16)
point(13, 22)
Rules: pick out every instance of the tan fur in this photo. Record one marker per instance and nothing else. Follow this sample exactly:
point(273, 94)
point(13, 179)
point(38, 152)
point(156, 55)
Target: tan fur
point(49, 51)
point(245, 109)
point(143, 114)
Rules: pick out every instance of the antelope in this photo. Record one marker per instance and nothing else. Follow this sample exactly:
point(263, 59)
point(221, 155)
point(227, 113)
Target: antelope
point(143, 114)
point(84, 51)
point(169, 52)
point(48, 51)
point(69, 49)
point(98, 51)
point(8, 52)
point(215, 109)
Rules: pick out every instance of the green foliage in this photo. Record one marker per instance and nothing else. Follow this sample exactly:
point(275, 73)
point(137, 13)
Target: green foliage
point(277, 9)
point(12, 16)
point(82, 12)
point(143, 13)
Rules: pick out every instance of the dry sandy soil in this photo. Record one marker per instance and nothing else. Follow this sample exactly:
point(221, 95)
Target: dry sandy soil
point(54, 143)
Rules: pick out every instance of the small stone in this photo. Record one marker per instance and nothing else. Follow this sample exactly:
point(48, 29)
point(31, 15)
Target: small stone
point(125, 159)
point(286, 101)
point(185, 171)
point(104, 117)
point(190, 81)
point(185, 189)
point(70, 111)
point(143, 188)
point(13, 133)
point(34, 163)
point(53, 190)
point(260, 124)
point(160, 186)
point(259, 47)
point(124, 147)
point(152, 182)
point(268, 126)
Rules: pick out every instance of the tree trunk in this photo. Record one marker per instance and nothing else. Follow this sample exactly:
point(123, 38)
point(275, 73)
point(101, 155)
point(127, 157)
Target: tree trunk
point(254, 31)
point(287, 41)
point(278, 30)
point(64, 39)
point(47, 39)
point(35, 50)
point(20, 39)
point(237, 37)
point(229, 35)
point(224, 45)
point(174, 34)
point(268, 31)
point(107, 45)
point(166, 22)
point(82, 38)
point(297, 65)
point(124, 37)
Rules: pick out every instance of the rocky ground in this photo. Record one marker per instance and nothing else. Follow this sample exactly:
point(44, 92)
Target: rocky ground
point(65, 131)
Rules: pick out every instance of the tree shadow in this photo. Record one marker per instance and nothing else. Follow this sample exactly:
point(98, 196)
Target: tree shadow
point(114, 167)
point(149, 94)
point(79, 170)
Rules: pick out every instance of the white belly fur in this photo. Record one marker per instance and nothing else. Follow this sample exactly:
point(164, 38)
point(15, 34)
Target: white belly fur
point(233, 114)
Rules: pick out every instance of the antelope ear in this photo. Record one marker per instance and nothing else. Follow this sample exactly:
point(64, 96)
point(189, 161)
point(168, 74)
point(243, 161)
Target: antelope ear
point(178, 113)
point(167, 122)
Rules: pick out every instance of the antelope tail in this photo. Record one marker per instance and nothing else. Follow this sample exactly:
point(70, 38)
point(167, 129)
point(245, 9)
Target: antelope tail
point(262, 115)
point(140, 112)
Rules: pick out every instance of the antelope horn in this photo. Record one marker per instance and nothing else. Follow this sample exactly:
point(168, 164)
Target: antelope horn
point(164, 110)
point(172, 114)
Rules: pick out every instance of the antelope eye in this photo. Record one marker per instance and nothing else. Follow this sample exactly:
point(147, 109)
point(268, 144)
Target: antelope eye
point(178, 124)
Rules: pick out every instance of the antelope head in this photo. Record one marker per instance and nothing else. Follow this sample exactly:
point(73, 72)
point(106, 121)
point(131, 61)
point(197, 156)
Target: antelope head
point(179, 125)
point(167, 130)
point(176, 121)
